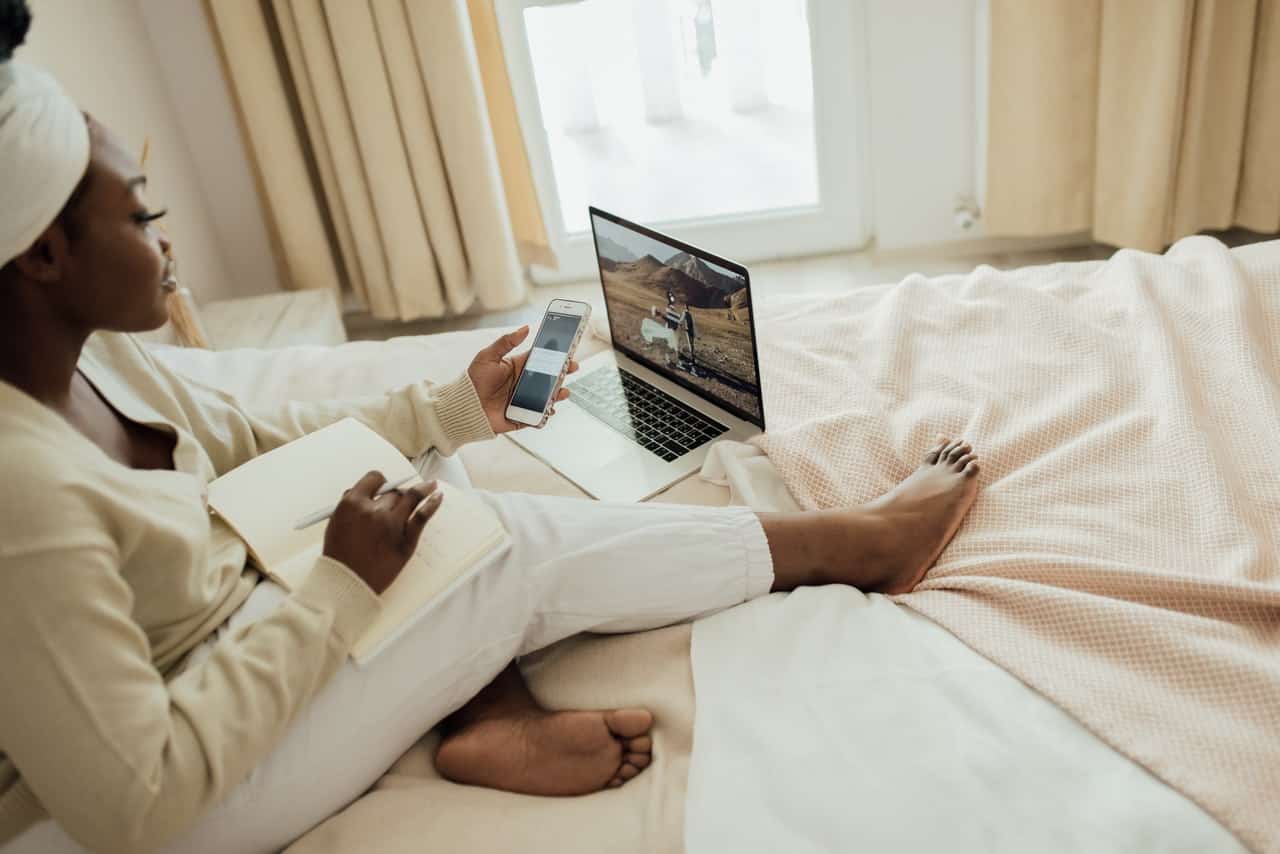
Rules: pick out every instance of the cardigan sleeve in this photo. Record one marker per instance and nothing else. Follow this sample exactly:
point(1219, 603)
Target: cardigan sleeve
point(121, 759)
point(414, 418)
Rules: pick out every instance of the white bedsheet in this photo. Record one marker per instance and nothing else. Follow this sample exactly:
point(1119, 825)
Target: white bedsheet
point(827, 720)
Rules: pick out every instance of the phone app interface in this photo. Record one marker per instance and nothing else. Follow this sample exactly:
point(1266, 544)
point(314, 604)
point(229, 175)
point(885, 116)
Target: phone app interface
point(546, 360)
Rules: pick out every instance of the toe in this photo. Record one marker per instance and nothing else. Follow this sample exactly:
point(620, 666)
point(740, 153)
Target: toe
point(946, 450)
point(643, 744)
point(628, 723)
point(616, 782)
point(939, 454)
point(971, 470)
point(958, 451)
point(628, 772)
point(640, 760)
point(959, 464)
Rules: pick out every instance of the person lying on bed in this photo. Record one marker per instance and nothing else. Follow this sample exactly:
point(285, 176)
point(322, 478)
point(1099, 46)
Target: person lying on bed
point(159, 691)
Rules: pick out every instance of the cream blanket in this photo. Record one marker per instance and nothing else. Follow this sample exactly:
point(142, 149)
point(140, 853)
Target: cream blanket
point(1122, 555)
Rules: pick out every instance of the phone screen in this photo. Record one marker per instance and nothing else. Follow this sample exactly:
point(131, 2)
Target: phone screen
point(546, 359)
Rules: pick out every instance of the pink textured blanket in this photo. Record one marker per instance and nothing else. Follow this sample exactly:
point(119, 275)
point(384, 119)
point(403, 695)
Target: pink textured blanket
point(1122, 556)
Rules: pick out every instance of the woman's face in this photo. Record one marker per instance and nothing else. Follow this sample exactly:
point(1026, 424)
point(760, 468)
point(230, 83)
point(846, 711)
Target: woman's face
point(115, 257)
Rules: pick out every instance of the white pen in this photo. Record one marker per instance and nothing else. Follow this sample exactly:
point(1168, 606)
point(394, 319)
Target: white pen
point(320, 515)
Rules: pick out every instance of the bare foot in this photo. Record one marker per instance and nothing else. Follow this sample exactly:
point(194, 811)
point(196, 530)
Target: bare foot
point(539, 752)
point(887, 544)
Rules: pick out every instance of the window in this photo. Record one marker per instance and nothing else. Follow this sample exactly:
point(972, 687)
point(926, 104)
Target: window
point(733, 124)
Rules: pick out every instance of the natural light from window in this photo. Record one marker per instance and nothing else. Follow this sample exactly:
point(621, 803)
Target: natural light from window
point(668, 110)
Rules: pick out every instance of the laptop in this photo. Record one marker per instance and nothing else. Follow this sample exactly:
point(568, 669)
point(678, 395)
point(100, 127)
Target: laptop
point(683, 371)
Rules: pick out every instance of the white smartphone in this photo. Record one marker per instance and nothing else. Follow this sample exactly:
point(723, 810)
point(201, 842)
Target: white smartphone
point(548, 361)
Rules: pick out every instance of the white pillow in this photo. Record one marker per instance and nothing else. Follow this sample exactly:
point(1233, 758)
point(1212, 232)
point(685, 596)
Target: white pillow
point(265, 377)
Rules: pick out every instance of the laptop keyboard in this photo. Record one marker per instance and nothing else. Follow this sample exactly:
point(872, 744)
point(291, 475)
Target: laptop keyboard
point(648, 416)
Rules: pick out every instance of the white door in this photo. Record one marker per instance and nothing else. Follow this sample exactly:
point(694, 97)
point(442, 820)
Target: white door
point(736, 125)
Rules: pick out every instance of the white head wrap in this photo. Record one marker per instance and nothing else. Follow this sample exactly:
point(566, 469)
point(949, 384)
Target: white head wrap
point(44, 151)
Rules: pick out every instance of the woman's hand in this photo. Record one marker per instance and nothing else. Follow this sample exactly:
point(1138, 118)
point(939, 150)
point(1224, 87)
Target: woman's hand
point(375, 534)
point(494, 373)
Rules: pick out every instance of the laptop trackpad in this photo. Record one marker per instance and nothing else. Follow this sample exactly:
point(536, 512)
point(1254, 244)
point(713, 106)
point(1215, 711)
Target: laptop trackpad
point(580, 442)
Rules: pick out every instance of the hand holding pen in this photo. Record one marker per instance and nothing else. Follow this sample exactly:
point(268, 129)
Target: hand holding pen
point(374, 531)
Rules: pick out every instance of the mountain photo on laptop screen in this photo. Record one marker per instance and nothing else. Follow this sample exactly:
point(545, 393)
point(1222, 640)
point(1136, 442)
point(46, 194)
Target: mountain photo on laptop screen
point(685, 314)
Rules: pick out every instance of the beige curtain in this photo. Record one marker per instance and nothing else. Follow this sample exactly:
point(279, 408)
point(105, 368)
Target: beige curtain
point(1140, 121)
point(376, 154)
point(517, 176)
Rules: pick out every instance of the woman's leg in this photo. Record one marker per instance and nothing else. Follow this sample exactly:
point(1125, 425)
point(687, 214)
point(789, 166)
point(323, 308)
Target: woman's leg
point(571, 566)
point(885, 545)
point(503, 739)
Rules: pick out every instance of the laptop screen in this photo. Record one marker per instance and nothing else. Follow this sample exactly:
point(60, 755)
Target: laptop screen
point(680, 312)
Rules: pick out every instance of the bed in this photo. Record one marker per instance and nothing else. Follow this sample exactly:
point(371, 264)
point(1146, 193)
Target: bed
point(823, 720)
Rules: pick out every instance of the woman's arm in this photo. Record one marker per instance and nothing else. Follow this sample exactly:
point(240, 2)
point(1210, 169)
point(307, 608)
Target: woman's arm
point(417, 417)
point(121, 759)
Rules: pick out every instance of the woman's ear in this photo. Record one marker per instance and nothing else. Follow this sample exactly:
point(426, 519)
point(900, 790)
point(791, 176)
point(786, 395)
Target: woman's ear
point(46, 261)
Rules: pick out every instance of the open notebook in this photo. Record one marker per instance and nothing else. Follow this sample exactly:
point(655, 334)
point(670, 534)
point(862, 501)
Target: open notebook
point(263, 499)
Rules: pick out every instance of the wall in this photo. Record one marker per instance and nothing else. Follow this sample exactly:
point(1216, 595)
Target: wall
point(191, 70)
point(927, 76)
point(924, 123)
point(102, 52)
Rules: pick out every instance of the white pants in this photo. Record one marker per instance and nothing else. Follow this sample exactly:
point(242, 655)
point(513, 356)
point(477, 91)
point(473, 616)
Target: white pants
point(572, 566)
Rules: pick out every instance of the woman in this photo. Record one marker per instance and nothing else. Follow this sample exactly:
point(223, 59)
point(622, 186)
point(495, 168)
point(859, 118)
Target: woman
point(159, 692)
